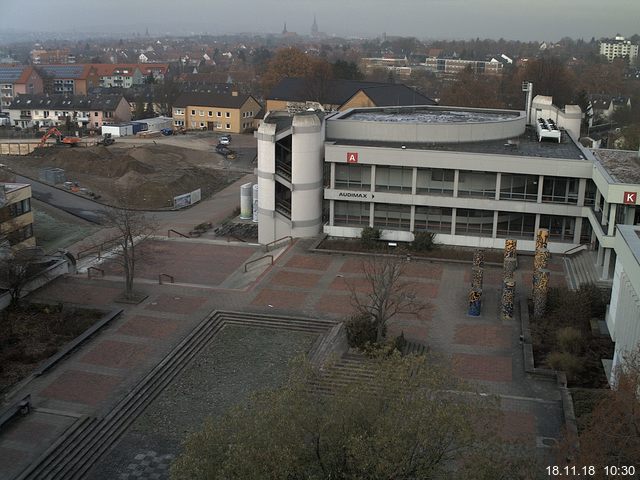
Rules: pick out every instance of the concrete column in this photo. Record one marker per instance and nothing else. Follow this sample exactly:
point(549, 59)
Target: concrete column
point(453, 220)
point(596, 206)
point(494, 232)
point(498, 182)
point(373, 179)
point(630, 214)
point(414, 183)
point(612, 219)
point(582, 188)
point(540, 185)
point(605, 213)
point(577, 231)
point(332, 211)
point(332, 182)
point(412, 221)
point(536, 225)
point(371, 212)
point(600, 255)
point(606, 263)
point(456, 179)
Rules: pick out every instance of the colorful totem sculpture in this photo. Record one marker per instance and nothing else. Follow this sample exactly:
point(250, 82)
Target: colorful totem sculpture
point(540, 293)
point(477, 278)
point(475, 302)
point(508, 297)
point(542, 237)
point(509, 283)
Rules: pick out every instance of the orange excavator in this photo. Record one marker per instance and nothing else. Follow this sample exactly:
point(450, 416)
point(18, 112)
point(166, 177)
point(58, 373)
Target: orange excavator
point(60, 138)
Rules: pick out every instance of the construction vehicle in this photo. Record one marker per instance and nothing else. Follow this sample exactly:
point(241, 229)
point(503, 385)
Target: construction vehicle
point(60, 138)
point(106, 140)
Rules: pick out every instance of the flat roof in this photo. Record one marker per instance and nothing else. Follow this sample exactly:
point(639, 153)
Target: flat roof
point(525, 145)
point(427, 115)
point(631, 236)
point(622, 165)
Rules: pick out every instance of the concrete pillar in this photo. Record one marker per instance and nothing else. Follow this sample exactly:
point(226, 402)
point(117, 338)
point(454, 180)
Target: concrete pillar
point(596, 206)
point(612, 219)
point(498, 183)
point(577, 231)
point(332, 212)
point(456, 179)
point(605, 213)
point(371, 212)
point(582, 188)
point(606, 264)
point(453, 221)
point(494, 232)
point(599, 256)
point(373, 179)
point(332, 181)
point(540, 185)
point(414, 182)
point(536, 225)
point(412, 221)
point(630, 215)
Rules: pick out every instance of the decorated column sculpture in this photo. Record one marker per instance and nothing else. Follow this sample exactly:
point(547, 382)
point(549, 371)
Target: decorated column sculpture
point(477, 274)
point(540, 293)
point(508, 297)
point(508, 283)
point(475, 303)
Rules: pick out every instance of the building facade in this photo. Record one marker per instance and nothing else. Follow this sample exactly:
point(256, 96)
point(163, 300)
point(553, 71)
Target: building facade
point(453, 66)
point(618, 47)
point(16, 80)
point(233, 113)
point(16, 217)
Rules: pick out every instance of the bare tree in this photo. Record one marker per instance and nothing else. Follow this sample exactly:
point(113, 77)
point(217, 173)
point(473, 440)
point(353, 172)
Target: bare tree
point(133, 227)
point(16, 269)
point(388, 294)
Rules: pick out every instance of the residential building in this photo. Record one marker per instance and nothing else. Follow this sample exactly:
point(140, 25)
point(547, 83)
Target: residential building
point(118, 75)
point(300, 94)
point(83, 111)
point(68, 79)
point(618, 47)
point(16, 80)
point(16, 217)
point(58, 56)
point(453, 66)
point(215, 112)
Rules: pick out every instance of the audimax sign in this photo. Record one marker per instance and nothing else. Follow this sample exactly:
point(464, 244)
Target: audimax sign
point(362, 195)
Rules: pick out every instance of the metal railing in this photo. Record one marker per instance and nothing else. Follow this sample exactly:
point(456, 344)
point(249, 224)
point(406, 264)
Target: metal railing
point(96, 269)
point(170, 277)
point(256, 260)
point(97, 248)
point(288, 237)
point(176, 232)
point(575, 249)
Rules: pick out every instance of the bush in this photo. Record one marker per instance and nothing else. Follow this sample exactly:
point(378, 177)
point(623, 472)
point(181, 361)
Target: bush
point(570, 340)
point(369, 237)
point(360, 331)
point(566, 362)
point(423, 241)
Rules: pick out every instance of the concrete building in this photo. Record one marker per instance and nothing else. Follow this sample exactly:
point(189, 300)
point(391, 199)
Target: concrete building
point(453, 66)
point(85, 111)
point(215, 112)
point(16, 217)
point(618, 47)
point(16, 80)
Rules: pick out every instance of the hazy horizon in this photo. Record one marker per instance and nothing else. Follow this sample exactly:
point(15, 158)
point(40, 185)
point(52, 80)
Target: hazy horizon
point(446, 19)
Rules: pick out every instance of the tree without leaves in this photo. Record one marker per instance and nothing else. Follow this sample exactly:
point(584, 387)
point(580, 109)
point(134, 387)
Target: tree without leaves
point(473, 90)
point(287, 62)
point(16, 269)
point(387, 295)
point(398, 425)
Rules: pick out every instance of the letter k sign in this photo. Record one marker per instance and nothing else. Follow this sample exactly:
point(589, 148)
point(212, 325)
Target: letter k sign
point(630, 198)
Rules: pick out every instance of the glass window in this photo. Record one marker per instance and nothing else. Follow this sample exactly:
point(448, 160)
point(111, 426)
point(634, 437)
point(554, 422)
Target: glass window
point(433, 219)
point(560, 190)
point(227, 114)
point(396, 217)
point(519, 187)
point(590, 193)
point(474, 222)
point(560, 228)
point(476, 184)
point(353, 176)
point(394, 179)
point(351, 213)
point(435, 181)
point(516, 225)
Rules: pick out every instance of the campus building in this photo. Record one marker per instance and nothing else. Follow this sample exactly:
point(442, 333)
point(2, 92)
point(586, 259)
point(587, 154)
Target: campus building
point(16, 217)
point(618, 47)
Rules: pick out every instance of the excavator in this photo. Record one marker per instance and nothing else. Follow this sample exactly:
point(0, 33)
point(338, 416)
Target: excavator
point(60, 138)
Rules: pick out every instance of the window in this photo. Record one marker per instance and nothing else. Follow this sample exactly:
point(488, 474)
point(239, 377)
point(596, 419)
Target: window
point(95, 114)
point(474, 222)
point(476, 184)
point(19, 208)
point(352, 176)
point(20, 235)
point(179, 123)
point(519, 187)
point(218, 114)
point(394, 179)
point(433, 219)
point(202, 125)
point(228, 126)
point(590, 193)
point(226, 114)
point(351, 213)
point(560, 190)
point(193, 112)
point(435, 181)
point(390, 216)
point(210, 113)
point(560, 228)
point(513, 224)
point(201, 113)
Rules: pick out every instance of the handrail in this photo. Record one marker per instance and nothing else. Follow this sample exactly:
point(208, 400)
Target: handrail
point(255, 260)
point(235, 237)
point(266, 247)
point(571, 250)
point(99, 247)
point(175, 231)
point(94, 268)
point(170, 277)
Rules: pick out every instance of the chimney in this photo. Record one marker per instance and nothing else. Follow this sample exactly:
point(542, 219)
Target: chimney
point(234, 94)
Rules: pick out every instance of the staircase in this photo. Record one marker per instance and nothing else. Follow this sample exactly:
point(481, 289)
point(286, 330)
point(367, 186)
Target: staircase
point(581, 270)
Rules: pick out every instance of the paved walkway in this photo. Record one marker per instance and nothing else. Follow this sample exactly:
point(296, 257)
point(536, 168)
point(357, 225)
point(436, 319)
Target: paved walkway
point(483, 350)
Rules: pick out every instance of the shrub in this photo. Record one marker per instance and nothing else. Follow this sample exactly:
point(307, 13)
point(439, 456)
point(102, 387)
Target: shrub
point(369, 237)
point(566, 362)
point(423, 241)
point(360, 331)
point(570, 340)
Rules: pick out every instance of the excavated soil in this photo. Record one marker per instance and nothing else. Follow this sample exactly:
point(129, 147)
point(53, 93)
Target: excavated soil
point(156, 172)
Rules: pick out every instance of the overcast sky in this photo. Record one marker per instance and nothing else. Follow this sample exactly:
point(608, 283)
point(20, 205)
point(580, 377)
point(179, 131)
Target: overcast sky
point(510, 19)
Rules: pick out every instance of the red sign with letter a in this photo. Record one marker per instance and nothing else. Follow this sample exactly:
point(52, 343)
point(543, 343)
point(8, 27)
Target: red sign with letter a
point(352, 157)
point(630, 198)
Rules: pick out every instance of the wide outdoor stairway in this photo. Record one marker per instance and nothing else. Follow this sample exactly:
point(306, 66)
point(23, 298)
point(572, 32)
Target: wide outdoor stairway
point(581, 270)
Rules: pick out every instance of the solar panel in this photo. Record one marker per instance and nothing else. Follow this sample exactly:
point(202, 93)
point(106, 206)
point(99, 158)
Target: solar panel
point(63, 71)
point(9, 74)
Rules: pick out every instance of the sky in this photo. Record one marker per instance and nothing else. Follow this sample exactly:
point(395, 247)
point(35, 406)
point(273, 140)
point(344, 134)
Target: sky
point(425, 19)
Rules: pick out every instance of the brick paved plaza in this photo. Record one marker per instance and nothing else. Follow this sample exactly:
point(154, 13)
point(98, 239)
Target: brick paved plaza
point(483, 350)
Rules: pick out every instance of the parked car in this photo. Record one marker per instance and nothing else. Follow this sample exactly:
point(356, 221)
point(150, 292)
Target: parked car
point(167, 131)
point(226, 140)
